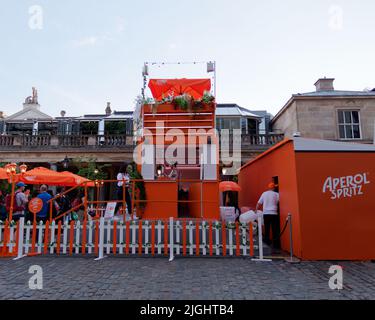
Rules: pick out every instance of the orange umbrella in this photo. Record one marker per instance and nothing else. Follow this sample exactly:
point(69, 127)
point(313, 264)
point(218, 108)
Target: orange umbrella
point(3, 174)
point(79, 180)
point(229, 186)
point(175, 87)
point(46, 176)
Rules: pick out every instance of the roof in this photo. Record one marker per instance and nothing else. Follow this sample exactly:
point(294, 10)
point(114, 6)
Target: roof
point(316, 145)
point(29, 112)
point(234, 110)
point(336, 93)
point(116, 115)
point(304, 144)
point(120, 115)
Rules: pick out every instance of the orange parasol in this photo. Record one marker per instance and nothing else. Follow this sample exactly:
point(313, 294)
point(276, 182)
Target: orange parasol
point(42, 175)
point(163, 87)
point(229, 186)
point(3, 174)
point(79, 180)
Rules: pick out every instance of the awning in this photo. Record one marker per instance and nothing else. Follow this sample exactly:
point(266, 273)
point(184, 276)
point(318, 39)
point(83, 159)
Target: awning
point(42, 175)
point(79, 180)
point(229, 186)
point(163, 87)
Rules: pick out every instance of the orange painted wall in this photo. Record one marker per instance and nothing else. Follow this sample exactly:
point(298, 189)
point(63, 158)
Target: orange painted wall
point(254, 178)
point(342, 229)
point(210, 200)
point(166, 201)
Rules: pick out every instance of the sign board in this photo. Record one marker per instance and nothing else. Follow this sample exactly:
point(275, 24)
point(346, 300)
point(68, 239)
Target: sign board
point(35, 205)
point(110, 210)
point(228, 214)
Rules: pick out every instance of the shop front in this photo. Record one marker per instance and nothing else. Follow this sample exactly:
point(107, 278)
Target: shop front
point(328, 189)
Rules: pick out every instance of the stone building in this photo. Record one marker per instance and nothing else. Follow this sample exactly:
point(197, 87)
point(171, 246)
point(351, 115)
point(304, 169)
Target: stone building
point(30, 136)
point(328, 114)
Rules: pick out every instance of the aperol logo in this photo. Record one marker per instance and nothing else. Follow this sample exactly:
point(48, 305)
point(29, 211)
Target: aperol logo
point(347, 186)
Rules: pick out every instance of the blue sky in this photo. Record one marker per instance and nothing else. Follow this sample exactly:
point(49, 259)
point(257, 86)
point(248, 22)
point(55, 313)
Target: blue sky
point(89, 52)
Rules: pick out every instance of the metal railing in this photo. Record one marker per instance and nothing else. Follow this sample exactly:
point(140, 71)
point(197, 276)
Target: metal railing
point(65, 141)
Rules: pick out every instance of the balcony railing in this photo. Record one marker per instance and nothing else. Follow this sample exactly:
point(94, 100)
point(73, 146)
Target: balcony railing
point(251, 140)
point(262, 139)
point(119, 141)
point(64, 141)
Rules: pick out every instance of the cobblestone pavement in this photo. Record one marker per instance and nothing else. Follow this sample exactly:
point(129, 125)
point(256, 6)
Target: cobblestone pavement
point(185, 279)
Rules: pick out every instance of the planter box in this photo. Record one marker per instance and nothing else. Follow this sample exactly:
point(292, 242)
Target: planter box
point(170, 108)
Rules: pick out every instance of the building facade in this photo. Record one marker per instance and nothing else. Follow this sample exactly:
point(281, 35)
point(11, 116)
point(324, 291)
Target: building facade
point(328, 114)
point(38, 139)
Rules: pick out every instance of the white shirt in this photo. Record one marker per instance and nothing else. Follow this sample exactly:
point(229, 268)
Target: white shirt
point(121, 177)
point(270, 201)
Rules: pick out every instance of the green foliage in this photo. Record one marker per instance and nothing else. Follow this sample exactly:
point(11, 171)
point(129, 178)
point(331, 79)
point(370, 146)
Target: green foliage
point(90, 127)
point(207, 98)
point(88, 168)
point(182, 102)
point(139, 185)
point(115, 127)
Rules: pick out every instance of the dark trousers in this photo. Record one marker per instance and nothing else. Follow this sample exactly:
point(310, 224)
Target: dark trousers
point(272, 222)
point(128, 200)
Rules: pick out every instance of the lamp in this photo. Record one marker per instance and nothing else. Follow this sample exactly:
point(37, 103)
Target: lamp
point(224, 171)
point(23, 168)
point(65, 162)
point(11, 168)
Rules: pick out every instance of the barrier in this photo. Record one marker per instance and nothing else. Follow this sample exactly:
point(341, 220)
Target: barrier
point(181, 237)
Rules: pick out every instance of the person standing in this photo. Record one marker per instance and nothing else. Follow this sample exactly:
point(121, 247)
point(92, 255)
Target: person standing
point(270, 202)
point(3, 211)
point(123, 177)
point(42, 215)
point(20, 201)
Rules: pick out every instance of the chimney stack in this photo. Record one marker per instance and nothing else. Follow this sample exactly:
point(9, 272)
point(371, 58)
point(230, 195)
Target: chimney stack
point(324, 84)
point(108, 110)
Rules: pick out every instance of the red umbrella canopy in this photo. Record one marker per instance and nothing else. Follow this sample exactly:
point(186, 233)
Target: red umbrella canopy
point(3, 174)
point(79, 180)
point(229, 186)
point(164, 87)
point(46, 176)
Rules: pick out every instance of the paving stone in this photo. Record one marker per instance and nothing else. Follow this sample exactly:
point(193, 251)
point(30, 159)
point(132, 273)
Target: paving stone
point(183, 279)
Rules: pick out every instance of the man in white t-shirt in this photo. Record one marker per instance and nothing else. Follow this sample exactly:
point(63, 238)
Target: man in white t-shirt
point(123, 177)
point(270, 202)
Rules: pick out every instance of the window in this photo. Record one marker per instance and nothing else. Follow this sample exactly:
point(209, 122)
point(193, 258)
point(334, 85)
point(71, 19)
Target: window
point(349, 124)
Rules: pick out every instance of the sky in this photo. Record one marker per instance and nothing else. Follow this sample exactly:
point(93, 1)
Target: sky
point(80, 54)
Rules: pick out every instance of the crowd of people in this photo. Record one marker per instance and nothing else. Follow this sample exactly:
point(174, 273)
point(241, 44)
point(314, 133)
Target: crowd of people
point(23, 194)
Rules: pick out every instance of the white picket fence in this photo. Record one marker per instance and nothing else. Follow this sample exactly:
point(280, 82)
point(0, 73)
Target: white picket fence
point(147, 238)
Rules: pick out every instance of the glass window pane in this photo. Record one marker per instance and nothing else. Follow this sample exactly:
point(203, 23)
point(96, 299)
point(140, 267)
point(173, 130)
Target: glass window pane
point(348, 132)
point(348, 117)
point(356, 132)
point(341, 117)
point(355, 116)
point(342, 132)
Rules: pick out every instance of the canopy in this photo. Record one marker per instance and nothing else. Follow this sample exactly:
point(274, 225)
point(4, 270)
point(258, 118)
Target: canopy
point(229, 186)
point(3, 174)
point(163, 87)
point(78, 179)
point(46, 176)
